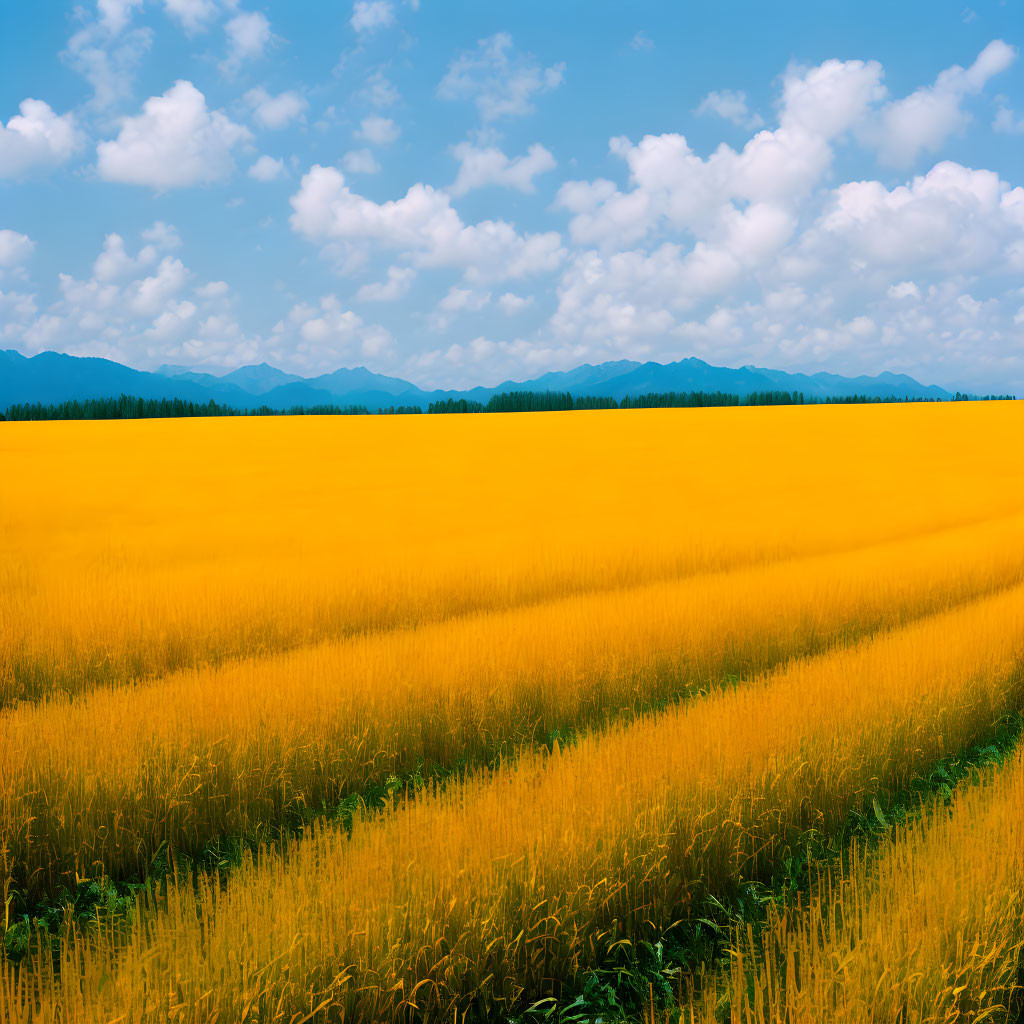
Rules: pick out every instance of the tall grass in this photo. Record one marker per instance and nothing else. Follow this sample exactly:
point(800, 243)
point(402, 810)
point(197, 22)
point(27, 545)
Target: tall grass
point(506, 888)
point(930, 931)
point(97, 785)
point(130, 549)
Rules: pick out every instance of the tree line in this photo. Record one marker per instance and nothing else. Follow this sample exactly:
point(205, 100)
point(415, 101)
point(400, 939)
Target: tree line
point(128, 407)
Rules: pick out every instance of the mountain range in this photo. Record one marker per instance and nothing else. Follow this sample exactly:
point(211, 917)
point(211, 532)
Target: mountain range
point(52, 377)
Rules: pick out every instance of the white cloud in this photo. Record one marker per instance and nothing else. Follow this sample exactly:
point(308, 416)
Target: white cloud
point(248, 35)
point(399, 281)
point(134, 309)
point(904, 290)
point(131, 308)
point(174, 142)
point(874, 282)
point(36, 137)
point(500, 81)
point(379, 91)
point(193, 15)
point(152, 294)
point(371, 15)
point(1006, 122)
point(324, 337)
point(17, 313)
point(360, 161)
point(642, 41)
point(732, 106)
point(108, 62)
point(113, 263)
point(266, 169)
point(672, 187)
point(422, 225)
point(115, 14)
point(163, 236)
point(456, 302)
point(481, 166)
point(15, 248)
point(275, 112)
point(952, 219)
point(213, 290)
point(172, 321)
point(378, 131)
point(511, 304)
point(926, 118)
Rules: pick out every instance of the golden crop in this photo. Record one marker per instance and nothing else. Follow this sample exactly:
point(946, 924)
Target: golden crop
point(749, 621)
point(95, 785)
point(131, 549)
point(506, 887)
point(930, 931)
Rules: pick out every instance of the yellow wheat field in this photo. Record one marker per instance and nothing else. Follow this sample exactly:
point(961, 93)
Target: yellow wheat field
point(96, 785)
point(748, 623)
point(128, 549)
point(930, 931)
point(509, 885)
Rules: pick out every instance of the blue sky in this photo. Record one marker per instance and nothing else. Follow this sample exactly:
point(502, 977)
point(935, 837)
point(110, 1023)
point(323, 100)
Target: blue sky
point(466, 192)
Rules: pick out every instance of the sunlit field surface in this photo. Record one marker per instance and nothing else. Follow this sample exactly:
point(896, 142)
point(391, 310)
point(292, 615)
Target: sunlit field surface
point(443, 717)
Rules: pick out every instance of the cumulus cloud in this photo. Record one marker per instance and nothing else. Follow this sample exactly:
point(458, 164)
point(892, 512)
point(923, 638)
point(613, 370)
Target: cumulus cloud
point(370, 16)
point(326, 336)
point(378, 131)
point(398, 282)
point(115, 14)
point(360, 161)
point(128, 299)
point(422, 225)
point(874, 282)
point(1006, 122)
point(192, 15)
point(36, 137)
point(15, 248)
point(108, 62)
point(922, 121)
point(455, 303)
point(501, 81)
point(379, 91)
point(481, 166)
point(510, 304)
point(266, 169)
point(746, 254)
point(17, 313)
point(175, 141)
point(951, 219)
point(674, 188)
point(248, 35)
point(141, 307)
point(732, 106)
point(163, 236)
point(278, 111)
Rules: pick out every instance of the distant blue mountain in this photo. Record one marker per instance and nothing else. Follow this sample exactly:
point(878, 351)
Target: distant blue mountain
point(54, 377)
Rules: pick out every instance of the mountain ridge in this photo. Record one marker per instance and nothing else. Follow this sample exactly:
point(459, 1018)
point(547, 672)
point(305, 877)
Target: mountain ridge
point(52, 377)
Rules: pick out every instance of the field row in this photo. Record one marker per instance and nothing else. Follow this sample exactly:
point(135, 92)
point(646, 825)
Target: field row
point(930, 931)
point(506, 888)
point(131, 550)
point(97, 785)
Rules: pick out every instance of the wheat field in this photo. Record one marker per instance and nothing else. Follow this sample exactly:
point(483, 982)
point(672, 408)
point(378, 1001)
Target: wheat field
point(488, 705)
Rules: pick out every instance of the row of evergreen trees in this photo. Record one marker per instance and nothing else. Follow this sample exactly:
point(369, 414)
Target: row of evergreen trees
point(127, 407)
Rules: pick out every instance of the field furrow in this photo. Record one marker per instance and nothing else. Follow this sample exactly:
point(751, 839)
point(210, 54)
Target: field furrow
point(931, 930)
point(100, 784)
point(504, 889)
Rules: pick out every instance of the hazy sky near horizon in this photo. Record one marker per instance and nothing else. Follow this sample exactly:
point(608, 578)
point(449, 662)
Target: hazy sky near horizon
point(465, 192)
